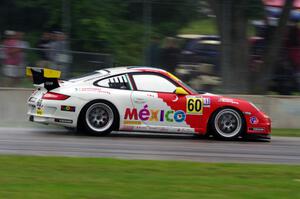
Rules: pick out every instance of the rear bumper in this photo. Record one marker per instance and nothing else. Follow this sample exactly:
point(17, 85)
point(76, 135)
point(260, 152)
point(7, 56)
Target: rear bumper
point(52, 120)
point(54, 112)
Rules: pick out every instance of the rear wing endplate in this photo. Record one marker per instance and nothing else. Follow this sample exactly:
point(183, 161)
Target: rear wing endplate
point(48, 77)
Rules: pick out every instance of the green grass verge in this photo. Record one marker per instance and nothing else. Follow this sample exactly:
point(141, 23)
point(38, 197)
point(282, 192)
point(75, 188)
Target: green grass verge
point(286, 132)
point(60, 177)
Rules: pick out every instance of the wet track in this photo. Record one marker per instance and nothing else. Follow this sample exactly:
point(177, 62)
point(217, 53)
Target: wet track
point(58, 142)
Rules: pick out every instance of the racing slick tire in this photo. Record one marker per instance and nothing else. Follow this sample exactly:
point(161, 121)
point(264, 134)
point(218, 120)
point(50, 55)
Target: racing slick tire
point(98, 118)
point(227, 124)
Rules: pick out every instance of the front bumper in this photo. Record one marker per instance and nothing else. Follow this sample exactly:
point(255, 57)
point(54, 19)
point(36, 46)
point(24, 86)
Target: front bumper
point(262, 128)
point(258, 136)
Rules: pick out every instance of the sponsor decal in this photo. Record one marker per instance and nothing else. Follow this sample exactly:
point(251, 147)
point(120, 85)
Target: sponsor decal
point(98, 90)
point(257, 129)
point(225, 100)
point(253, 120)
point(39, 111)
point(158, 128)
point(128, 122)
point(150, 95)
point(63, 120)
point(228, 100)
point(184, 130)
point(39, 107)
point(206, 102)
point(247, 113)
point(68, 108)
point(176, 99)
point(127, 128)
point(156, 115)
point(48, 83)
point(39, 103)
point(194, 106)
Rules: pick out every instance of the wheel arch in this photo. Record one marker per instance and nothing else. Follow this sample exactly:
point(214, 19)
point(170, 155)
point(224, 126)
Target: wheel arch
point(85, 106)
point(211, 116)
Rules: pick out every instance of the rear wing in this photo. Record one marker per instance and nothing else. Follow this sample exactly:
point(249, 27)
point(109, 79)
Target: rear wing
point(48, 77)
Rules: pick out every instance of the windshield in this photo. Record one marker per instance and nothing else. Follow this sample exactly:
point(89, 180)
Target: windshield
point(191, 89)
point(184, 84)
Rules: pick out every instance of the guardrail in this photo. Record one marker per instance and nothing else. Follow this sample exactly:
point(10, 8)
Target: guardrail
point(283, 110)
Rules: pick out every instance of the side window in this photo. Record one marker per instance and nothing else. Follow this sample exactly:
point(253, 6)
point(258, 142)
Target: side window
point(116, 82)
point(155, 83)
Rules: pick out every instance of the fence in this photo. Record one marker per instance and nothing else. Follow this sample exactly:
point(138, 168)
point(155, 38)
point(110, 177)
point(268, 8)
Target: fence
point(75, 63)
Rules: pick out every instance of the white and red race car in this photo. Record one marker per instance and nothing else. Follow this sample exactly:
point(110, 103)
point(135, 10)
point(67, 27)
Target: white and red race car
point(139, 99)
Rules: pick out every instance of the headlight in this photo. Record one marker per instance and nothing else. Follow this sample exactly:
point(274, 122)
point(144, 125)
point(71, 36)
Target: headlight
point(262, 112)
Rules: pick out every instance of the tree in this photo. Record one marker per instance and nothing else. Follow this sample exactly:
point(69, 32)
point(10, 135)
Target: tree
point(108, 26)
point(232, 21)
point(273, 48)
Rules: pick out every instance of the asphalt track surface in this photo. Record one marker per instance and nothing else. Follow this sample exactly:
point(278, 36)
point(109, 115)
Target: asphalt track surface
point(59, 142)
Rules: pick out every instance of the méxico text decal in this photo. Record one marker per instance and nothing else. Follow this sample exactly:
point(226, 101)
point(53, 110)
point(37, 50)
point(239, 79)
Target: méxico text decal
point(156, 115)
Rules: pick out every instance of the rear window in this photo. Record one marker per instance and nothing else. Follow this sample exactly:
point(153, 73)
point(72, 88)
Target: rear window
point(116, 82)
point(90, 75)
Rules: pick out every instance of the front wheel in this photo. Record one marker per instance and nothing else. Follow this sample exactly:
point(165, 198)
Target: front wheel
point(227, 124)
point(99, 118)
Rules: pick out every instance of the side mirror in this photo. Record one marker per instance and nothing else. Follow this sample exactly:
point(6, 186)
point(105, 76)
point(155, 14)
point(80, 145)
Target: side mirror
point(181, 91)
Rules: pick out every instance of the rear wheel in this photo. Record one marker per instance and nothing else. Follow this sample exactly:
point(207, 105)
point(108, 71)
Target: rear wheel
point(227, 124)
point(99, 118)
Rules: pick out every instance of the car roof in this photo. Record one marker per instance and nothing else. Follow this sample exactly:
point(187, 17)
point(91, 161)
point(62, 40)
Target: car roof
point(130, 69)
point(108, 72)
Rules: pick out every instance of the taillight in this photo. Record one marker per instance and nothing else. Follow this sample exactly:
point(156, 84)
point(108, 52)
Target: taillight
point(54, 96)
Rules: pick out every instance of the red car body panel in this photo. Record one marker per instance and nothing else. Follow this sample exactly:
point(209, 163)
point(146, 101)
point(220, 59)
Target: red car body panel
point(257, 122)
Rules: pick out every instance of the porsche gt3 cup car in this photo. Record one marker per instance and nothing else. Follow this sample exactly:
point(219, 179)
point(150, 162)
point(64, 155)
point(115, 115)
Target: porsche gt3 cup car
point(139, 99)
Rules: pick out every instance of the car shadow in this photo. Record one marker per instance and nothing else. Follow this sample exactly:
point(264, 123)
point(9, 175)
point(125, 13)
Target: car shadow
point(147, 135)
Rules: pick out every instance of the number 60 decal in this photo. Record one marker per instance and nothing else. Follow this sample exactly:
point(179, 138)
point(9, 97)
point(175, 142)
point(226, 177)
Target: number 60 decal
point(194, 105)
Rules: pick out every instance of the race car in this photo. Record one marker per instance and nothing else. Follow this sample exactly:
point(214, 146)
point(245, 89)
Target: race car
point(139, 99)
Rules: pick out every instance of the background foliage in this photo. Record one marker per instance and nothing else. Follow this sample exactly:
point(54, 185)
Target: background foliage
point(108, 26)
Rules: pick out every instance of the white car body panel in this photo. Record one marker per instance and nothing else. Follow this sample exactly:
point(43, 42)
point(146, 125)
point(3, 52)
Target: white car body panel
point(146, 99)
point(83, 91)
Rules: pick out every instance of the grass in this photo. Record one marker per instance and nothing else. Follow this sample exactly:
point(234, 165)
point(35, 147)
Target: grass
point(59, 177)
point(286, 132)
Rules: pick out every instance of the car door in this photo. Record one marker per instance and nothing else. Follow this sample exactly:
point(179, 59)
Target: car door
point(116, 89)
point(158, 108)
